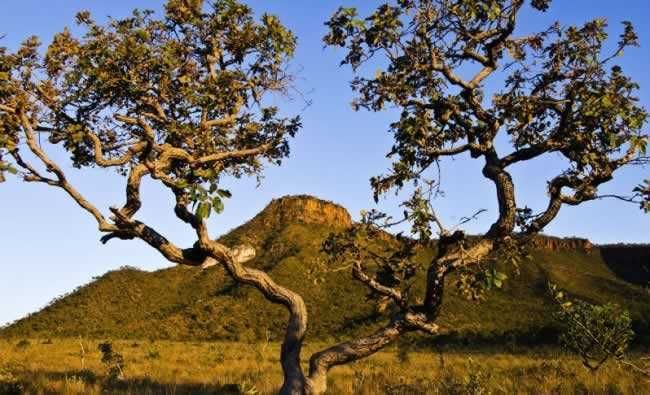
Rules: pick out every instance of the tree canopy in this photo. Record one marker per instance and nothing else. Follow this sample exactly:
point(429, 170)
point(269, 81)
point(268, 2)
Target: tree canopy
point(181, 99)
point(561, 93)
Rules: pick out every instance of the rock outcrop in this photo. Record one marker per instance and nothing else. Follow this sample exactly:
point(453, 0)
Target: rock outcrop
point(287, 211)
point(553, 243)
point(306, 209)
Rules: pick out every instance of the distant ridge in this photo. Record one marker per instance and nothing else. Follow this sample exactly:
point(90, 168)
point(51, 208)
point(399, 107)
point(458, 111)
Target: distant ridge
point(629, 261)
point(309, 209)
point(189, 303)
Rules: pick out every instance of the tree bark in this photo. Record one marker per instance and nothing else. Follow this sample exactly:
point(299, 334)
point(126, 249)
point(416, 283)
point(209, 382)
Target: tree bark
point(343, 353)
point(232, 260)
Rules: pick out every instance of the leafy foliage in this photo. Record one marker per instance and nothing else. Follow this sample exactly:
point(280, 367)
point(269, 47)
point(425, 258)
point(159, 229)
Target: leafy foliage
point(558, 95)
point(182, 96)
point(644, 191)
point(596, 332)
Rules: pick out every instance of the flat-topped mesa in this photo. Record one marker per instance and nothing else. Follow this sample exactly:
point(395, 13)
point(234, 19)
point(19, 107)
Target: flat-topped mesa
point(306, 209)
point(286, 211)
point(551, 243)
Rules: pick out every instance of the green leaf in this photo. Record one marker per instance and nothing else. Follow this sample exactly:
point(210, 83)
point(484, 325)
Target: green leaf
point(217, 205)
point(203, 211)
point(224, 193)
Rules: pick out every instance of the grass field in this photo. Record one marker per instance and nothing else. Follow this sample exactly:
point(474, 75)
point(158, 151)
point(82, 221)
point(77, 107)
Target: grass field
point(161, 367)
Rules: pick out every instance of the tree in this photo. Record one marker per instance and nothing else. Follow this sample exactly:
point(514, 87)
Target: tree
point(180, 100)
point(561, 94)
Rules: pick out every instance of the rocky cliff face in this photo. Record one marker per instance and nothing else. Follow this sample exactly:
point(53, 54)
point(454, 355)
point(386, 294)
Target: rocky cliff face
point(552, 243)
point(305, 209)
point(289, 210)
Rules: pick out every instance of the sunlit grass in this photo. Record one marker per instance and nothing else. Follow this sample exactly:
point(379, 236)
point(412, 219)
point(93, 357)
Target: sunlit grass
point(175, 367)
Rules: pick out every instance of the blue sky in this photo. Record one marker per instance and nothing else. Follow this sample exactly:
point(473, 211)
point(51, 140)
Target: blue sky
point(48, 246)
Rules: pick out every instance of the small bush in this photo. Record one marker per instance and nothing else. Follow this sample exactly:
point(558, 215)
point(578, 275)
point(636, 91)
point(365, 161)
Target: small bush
point(595, 332)
point(23, 344)
point(113, 361)
point(474, 383)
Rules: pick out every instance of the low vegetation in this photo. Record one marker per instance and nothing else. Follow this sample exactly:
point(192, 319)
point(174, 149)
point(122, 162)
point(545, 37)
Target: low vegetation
point(232, 368)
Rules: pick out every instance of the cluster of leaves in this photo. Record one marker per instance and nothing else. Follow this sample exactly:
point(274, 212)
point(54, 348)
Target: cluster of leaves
point(602, 117)
point(112, 360)
point(474, 281)
point(472, 284)
point(558, 94)
point(643, 190)
point(596, 332)
point(207, 200)
point(198, 77)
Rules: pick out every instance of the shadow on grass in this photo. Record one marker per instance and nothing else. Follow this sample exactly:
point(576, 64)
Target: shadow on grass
point(33, 382)
point(149, 386)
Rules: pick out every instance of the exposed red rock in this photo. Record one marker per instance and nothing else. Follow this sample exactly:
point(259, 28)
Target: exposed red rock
point(553, 243)
point(305, 209)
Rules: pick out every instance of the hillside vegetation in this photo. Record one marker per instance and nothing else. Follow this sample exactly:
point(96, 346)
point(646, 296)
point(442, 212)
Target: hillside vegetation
point(183, 303)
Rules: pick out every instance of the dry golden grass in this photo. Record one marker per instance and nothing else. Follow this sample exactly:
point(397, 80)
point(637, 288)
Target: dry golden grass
point(163, 367)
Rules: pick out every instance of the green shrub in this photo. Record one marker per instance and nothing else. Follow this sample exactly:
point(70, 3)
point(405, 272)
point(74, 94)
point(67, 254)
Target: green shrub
point(474, 383)
point(113, 361)
point(595, 332)
point(153, 354)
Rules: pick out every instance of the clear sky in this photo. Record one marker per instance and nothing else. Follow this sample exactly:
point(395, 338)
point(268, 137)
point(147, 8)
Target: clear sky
point(48, 246)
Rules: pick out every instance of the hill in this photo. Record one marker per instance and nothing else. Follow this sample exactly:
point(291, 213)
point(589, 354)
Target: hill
point(189, 303)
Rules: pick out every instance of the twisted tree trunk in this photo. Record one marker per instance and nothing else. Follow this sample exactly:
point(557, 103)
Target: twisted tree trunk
point(232, 260)
point(344, 353)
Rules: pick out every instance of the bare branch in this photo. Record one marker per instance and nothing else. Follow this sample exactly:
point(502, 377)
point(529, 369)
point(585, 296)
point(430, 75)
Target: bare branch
point(359, 273)
point(62, 181)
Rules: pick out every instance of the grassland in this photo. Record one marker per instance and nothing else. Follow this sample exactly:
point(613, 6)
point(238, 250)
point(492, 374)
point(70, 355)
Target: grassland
point(165, 367)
